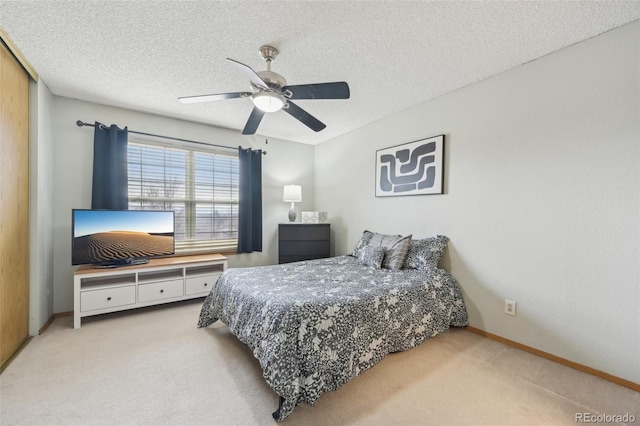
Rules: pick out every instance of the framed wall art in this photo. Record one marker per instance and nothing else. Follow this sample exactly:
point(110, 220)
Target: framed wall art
point(414, 168)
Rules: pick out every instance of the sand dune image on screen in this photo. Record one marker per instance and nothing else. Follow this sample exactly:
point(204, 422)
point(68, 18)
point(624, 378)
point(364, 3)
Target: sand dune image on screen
point(104, 246)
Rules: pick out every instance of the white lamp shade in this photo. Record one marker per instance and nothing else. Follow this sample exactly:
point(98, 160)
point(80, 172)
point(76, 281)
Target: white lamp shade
point(292, 193)
point(268, 102)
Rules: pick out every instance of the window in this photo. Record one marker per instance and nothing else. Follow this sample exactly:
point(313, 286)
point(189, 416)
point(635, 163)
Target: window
point(199, 185)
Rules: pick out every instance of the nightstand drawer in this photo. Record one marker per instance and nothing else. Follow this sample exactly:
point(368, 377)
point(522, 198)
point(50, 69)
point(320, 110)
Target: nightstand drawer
point(291, 248)
point(300, 257)
point(304, 232)
point(92, 300)
point(160, 290)
point(202, 284)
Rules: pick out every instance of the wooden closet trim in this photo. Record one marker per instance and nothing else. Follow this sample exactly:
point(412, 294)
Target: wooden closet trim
point(13, 49)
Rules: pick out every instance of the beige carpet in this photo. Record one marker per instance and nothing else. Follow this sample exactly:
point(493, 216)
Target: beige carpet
point(154, 367)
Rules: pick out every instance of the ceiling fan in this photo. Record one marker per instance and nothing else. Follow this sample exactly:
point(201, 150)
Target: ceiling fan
point(270, 93)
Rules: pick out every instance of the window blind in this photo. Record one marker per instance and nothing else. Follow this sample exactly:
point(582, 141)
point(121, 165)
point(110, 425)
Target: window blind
point(199, 185)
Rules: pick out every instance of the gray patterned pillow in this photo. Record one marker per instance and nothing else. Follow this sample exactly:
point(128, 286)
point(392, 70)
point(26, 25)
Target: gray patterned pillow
point(372, 256)
point(425, 253)
point(362, 243)
point(396, 249)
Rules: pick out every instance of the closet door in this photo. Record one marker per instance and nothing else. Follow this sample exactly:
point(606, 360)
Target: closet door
point(14, 205)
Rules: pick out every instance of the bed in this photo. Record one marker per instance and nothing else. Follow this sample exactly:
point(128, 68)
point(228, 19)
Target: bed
point(315, 325)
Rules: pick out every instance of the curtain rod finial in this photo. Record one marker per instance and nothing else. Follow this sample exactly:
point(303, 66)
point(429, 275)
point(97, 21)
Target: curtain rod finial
point(79, 123)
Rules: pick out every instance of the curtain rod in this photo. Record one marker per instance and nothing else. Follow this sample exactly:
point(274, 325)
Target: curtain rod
point(80, 123)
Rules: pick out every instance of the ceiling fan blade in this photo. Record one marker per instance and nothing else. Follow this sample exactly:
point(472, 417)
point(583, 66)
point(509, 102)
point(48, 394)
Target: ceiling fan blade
point(249, 72)
point(336, 90)
point(253, 122)
point(210, 98)
point(303, 116)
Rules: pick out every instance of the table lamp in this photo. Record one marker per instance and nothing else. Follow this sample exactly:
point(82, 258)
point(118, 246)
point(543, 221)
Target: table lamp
point(292, 194)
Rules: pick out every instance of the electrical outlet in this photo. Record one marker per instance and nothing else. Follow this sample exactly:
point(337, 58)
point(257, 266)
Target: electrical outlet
point(510, 307)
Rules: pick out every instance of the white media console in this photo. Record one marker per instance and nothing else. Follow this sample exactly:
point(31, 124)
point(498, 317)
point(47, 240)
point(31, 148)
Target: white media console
point(99, 291)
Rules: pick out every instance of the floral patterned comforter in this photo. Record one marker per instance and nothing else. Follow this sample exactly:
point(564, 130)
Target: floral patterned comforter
point(317, 324)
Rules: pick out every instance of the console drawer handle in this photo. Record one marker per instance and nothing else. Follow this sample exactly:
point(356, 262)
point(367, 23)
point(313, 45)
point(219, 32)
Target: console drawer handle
point(109, 298)
point(206, 284)
point(161, 291)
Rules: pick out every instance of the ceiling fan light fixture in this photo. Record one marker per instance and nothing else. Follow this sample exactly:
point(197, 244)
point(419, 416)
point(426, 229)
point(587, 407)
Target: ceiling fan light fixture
point(268, 101)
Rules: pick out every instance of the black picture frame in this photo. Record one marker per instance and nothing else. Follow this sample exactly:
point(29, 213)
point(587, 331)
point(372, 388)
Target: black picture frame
point(413, 168)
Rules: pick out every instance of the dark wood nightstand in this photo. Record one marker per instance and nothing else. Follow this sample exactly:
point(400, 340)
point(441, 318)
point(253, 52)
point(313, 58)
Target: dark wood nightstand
point(303, 241)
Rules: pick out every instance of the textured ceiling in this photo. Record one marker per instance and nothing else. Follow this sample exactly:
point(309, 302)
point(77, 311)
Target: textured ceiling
point(143, 55)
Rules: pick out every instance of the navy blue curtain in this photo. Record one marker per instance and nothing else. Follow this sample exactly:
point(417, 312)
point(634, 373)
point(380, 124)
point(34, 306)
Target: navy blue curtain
point(250, 203)
point(110, 178)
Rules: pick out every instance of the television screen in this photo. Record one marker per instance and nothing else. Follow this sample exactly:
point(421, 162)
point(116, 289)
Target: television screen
point(121, 237)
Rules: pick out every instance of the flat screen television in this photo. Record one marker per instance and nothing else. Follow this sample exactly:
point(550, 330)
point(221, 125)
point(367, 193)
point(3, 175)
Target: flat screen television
point(111, 238)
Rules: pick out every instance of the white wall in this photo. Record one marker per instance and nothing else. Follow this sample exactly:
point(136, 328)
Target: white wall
point(542, 202)
point(40, 209)
point(285, 163)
